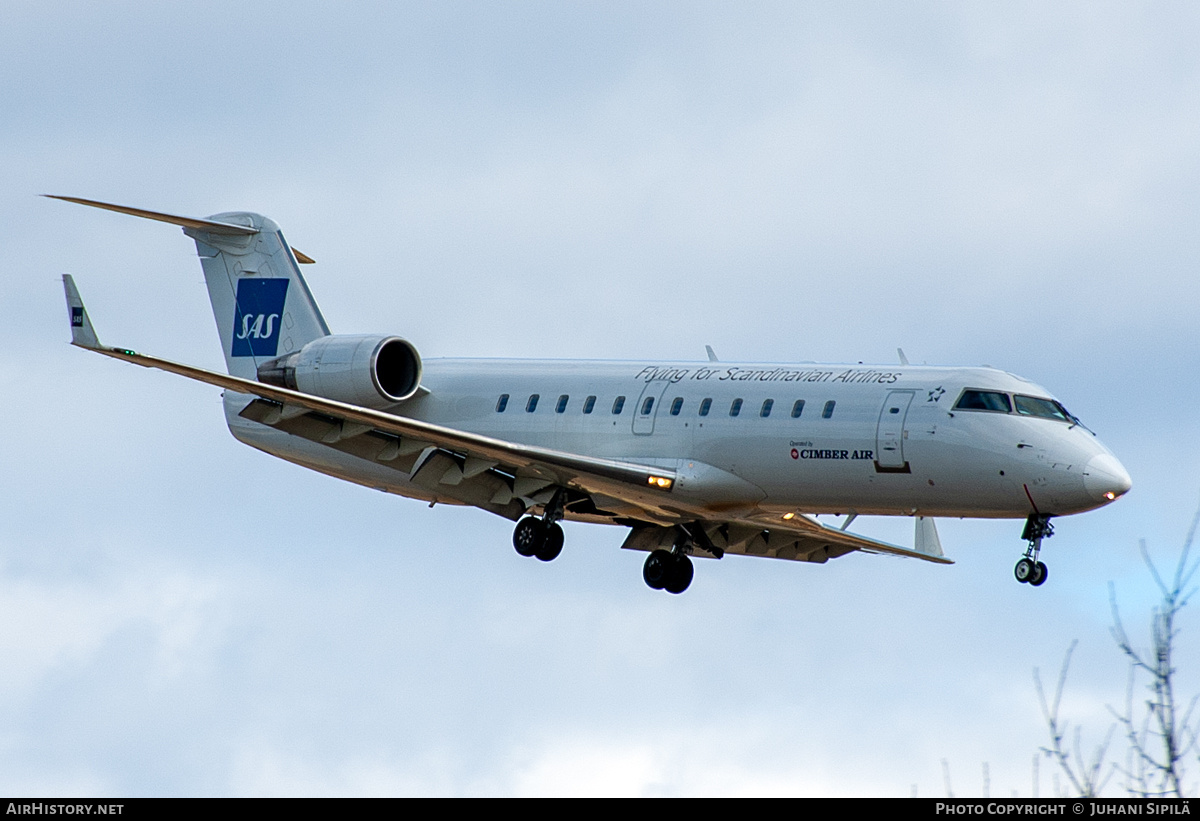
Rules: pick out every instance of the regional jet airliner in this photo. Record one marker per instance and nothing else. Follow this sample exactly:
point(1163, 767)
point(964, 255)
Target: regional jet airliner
point(696, 459)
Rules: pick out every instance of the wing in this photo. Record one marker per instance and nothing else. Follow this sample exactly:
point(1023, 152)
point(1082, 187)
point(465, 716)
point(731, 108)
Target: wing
point(505, 477)
point(433, 453)
point(796, 538)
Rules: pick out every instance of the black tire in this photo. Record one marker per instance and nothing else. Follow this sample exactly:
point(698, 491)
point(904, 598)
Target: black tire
point(656, 569)
point(1040, 575)
point(529, 535)
point(680, 575)
point(552, 542)
point(1025, 571)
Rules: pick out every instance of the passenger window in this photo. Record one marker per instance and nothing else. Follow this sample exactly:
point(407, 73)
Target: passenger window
point(502, 403)
point(828, 412)
point(531, 405)
point(647, 406)
point(705, 406)
point(766, 408)
point(736, 407)
point(589, 404)
point(797, 408)
point(618, 405)
point(562, 404)
point(983, 400)
point(677, 406)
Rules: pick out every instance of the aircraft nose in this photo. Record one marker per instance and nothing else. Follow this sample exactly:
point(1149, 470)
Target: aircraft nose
point(1105, 478)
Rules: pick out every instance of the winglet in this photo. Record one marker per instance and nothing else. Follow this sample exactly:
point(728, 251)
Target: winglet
point(926, 540)
point(712, 356)
point(82, 333)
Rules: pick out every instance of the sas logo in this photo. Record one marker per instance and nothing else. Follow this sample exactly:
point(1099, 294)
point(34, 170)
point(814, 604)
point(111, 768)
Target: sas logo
point(256, 316)
point(77, 317)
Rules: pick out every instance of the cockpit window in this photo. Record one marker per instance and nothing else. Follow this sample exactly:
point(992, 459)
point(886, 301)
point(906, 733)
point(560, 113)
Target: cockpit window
point(1046, 408)
point(999, 402)
point(983, 400)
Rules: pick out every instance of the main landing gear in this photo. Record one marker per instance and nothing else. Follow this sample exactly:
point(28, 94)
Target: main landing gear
point(1029, 570)
point(672, 570)
point(542, 537)
point(668, 570)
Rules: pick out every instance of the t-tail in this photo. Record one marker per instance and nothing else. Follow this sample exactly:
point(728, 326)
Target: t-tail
point(261, 303)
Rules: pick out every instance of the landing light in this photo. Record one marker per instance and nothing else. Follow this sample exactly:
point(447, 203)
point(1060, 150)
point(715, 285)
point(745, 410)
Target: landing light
point(787, 517)
point(1110, 496)
point(661, 481)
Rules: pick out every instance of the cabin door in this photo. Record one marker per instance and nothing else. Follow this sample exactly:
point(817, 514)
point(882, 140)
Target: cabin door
point(646, 408)
point(889, 435)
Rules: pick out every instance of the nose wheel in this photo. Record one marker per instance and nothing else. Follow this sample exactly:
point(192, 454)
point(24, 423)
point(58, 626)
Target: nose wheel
point(1030, 570)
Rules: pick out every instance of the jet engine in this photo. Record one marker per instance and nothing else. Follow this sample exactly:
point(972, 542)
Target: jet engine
point(367, 370)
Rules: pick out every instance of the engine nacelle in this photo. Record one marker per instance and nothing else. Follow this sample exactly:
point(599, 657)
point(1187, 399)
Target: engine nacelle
point(367, 370)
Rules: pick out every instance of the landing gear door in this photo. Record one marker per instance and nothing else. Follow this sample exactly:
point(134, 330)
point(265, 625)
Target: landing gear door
point(646, 408)
point(889, 435)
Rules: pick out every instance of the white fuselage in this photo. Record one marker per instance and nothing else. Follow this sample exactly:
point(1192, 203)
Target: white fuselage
point(891, 442)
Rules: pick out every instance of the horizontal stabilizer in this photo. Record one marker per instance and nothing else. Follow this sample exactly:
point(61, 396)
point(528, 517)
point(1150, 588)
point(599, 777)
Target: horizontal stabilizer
point(185, 222)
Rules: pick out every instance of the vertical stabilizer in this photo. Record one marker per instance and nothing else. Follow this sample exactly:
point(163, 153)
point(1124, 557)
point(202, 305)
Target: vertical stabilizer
point(260, 301)
point(259, 297)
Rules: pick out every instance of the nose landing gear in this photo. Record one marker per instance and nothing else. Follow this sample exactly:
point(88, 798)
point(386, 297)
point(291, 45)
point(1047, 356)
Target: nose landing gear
point(1029, 570)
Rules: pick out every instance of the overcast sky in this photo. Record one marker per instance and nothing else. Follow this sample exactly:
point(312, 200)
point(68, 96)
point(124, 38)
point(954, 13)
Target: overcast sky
point(1011, 184)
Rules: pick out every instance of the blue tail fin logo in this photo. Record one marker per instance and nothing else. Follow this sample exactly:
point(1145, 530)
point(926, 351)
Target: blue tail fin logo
point(257, 317)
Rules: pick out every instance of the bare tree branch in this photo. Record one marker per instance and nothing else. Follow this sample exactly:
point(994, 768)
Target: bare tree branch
point(1160, 732)
point(1087, 778)
point(1164, 736)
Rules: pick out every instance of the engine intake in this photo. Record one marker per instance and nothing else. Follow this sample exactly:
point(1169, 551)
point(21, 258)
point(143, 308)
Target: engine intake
point(372, 371)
